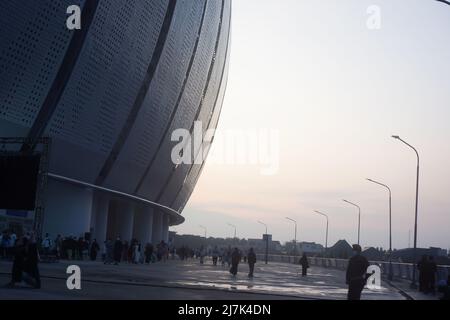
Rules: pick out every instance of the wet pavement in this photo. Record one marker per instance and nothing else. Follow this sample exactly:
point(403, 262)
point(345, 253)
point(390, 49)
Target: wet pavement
point(189, 280)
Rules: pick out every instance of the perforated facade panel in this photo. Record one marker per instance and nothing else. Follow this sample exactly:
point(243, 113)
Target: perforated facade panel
point(142, 70)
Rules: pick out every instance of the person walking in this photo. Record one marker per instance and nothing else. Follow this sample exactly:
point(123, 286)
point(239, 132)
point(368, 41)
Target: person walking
point(251, 259)
point(118, 249)
point(31, 263)
point(46, 245)
point(201, 253)
point(356, 275)
point(18, 262)
point(444, 288)
point(136, 252)
point(58, 246)
point(305, 265)
point(235, 259)
point(215, 255)
point(109, 249)
point(148, 253)
point(432, 270)
point(94, 250)
point(422, 266)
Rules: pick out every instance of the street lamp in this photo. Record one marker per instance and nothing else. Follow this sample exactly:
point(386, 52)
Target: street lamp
point(326, 234)
point(413, 283)
point(232, 225)
point(390, 224)
point(267, 241)
point(359, 216)
point(295, 234)
point(204, 228)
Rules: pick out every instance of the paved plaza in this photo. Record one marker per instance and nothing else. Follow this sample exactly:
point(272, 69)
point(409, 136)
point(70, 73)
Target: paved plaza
point(183, 280)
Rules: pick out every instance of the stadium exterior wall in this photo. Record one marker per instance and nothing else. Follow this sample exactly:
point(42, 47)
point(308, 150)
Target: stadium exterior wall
point(109, 96)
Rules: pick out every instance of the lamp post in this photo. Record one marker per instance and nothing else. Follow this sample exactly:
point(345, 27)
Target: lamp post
point(295, 234)
point(204, 228)
point(326, 234)
point(413, 283)
point(267, 241)
point(390, 225)
point(232, 225)
point(359, 216)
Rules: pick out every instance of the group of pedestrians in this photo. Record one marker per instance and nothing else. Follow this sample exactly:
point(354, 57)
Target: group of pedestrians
point(8, 240)
point(115, 252)
point(236, 258)
point(231, 257)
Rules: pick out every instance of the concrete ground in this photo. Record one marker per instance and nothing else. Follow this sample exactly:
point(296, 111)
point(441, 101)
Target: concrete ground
point(181, 280)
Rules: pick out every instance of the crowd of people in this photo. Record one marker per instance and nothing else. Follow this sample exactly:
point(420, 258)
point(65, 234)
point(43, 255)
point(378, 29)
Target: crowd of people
point(117, 251)
point(25, 256)
point(27, 251)
point(8, 240)
point(228, 257)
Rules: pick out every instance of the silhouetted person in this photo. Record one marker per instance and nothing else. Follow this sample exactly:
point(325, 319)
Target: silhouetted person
point(31, 263)
point(235, 259)
point(356, 276)
point(94, 250)
point(118, 248)
point(148, 252)
point(251, 258)
point(18, 262)
point(432, 269)
point(445, 289)
point(423, 266)
point(215, 255)
point(305, 265)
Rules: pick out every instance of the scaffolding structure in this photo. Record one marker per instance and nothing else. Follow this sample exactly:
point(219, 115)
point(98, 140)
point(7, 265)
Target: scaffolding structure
point(41, 147)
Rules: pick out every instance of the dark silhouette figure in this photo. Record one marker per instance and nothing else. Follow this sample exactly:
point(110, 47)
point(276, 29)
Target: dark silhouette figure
point(148, 253)
point(118, 248)
point(423, 267)
point(356, 276)
point(31, 263)
point(251, 258)
point(305, 265)
point(445, 290)
point(94, 250)
point(432, 270)
point(18, 262)
point(235, 259)
point(215, 255)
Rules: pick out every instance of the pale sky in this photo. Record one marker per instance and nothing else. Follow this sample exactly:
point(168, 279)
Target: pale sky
point(335, 91)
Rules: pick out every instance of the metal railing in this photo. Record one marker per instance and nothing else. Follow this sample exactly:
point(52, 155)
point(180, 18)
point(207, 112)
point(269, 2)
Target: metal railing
point(400, 270)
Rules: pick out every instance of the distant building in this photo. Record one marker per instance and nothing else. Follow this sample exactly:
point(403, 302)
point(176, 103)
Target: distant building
point(341, 250)
point(260, 244)
point(407, 255)
point(373, 254)
point(305, 247)
point(310, 247)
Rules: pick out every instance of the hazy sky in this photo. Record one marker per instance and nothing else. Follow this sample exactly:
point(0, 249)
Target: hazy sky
point(335, 91)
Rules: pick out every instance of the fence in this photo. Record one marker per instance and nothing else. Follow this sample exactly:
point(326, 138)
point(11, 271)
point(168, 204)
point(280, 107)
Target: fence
point(399, 270)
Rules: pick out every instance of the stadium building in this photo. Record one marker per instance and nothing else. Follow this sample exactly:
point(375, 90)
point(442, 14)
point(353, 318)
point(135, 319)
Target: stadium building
point(108, 96)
